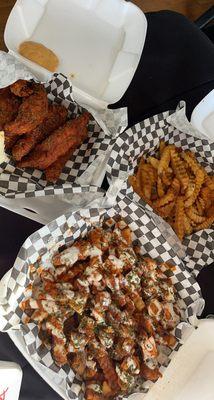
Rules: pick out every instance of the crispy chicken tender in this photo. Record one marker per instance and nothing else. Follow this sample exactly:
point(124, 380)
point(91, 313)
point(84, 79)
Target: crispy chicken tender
point(52, 173)
point(67, 137)
point(22, 88)
point(56, 117)
point(31, 113)
point(9, 106)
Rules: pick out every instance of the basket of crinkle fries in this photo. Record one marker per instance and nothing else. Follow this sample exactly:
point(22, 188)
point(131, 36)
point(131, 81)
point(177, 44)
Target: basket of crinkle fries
point(170, 173)
point(99, 303)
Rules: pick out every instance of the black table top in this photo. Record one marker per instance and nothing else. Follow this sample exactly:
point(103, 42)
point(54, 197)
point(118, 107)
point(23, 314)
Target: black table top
point(177, 64)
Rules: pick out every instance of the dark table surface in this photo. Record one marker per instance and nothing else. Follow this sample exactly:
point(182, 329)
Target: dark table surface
point(177, 64)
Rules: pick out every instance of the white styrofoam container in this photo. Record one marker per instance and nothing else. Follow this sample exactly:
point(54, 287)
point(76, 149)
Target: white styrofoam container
point(202, 117)
point(98, 42)
point(10, 380)
point(189, 376)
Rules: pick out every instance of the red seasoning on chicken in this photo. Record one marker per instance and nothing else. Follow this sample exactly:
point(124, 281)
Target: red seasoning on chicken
point(31, 113)
point(56, 117)
point(69, 136)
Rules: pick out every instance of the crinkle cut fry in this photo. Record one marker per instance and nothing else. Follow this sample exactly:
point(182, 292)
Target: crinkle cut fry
point(153, 161)
point(56, 117)
point(199, 179)
point(179, 218)
point(187, 225)
point(160, 187)
point(31, 113)
point(70, 135)
point(179, 168)
point(167, 198)
point(206, 224)
point(166, 210)
point(193, 216)
point(164, 160)
point(209, 181)
point(147, 179)
point(161, 147)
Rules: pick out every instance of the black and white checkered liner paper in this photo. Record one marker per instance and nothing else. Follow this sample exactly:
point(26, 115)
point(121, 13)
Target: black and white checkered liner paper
point(143, 139)
point(15, 180)
point(102, 127)
point(63, 231)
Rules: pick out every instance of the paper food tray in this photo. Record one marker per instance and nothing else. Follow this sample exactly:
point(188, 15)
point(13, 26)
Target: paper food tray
point(93, 153)
point(59, 232)
point(190, 373)
point(143, 139)
point(98, 42)
point(10, 380)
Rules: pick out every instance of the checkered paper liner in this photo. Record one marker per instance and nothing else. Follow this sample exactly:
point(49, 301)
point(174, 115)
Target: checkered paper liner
point(63, 231)
point(143, 139)
point(102, 127)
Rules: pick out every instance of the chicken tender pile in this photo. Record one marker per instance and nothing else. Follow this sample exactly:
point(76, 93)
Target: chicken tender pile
point(105, 310)
point(178, 188)
point(39, 134)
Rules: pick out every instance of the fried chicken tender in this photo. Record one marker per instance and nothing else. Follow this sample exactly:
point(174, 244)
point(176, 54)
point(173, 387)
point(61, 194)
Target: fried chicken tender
point(22, 88)
point(10, 140)
point(53, 172)
point(9, 106)
point(69, 136)
point(31, 113)
point(56, 117)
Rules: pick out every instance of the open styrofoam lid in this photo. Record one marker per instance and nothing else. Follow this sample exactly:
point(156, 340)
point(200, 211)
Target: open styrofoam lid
point(98, 42)
point(190, 374)
point(203, 116)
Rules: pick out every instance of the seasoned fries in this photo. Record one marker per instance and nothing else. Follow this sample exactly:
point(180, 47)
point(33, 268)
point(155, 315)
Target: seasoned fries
point(105, 310)
point(179, 190)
